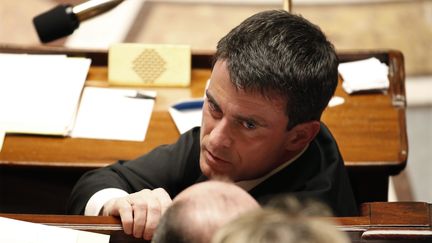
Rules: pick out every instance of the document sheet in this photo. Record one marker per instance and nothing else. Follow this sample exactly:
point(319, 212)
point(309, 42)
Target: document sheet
point(364, 75)
point(187, 114)
point(114, 113)
point(39, 94)
point(17, 231)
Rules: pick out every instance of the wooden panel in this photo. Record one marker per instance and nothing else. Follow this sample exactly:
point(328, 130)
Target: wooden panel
point(364, 228)
point(389, 214)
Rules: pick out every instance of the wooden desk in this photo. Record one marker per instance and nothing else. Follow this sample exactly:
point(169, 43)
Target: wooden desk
point(370, 129)
point(389, 222)
point(400, 222)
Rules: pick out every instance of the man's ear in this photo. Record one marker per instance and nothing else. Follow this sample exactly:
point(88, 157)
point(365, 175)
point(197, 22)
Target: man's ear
point(302, 134)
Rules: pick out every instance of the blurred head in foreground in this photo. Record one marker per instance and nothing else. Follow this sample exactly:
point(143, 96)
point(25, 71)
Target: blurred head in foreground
point(273, 226)
point(198, 211)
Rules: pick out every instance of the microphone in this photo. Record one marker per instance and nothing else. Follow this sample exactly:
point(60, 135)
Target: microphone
point(63, 19)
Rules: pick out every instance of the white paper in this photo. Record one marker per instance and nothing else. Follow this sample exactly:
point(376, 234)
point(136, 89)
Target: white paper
point(335, 101)
point(39, 94)
point(368, 74)
point(17, 231)
point(186, 119)
point(108, 113)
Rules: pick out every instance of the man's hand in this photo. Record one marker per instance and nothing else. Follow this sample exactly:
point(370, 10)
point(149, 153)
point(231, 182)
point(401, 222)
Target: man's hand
point(139, 212)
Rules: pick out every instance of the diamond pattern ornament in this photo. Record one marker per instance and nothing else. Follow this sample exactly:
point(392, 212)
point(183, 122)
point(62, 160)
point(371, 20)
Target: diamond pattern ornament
point(149, 65)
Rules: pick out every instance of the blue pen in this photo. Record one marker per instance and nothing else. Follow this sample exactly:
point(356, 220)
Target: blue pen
point(189, 105)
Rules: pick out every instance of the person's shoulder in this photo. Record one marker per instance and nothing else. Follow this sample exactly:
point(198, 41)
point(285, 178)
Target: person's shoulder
point(324, 136)
point(196, 131)
point(324, 129)
point(192, 133)
point(325, 146)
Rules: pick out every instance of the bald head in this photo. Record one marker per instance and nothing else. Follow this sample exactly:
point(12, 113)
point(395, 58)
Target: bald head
point(217, 190)
point(198, 211)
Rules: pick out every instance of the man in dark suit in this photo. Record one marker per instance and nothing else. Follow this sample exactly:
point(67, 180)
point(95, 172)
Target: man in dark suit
point(273, 76)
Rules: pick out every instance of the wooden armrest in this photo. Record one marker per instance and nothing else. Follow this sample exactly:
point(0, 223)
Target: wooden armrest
point(397, 234)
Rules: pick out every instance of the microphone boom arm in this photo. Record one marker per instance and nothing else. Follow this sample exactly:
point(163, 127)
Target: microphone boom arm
point(92, 8)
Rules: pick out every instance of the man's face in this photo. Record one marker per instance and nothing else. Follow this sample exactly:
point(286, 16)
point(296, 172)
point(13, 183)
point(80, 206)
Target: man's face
point(243, 135)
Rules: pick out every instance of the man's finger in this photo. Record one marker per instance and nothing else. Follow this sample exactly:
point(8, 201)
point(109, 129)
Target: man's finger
point(126, 214)
point(163, 197)
point(139, 205)
point(153, 216)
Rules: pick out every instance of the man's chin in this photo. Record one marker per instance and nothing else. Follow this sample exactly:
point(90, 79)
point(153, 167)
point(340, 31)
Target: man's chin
point(205, 169)
point(213, 174)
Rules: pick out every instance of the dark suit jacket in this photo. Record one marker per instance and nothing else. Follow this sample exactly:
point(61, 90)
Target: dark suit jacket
point(319, 173)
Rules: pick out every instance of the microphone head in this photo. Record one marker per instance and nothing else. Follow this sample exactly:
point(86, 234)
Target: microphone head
point(55, 23)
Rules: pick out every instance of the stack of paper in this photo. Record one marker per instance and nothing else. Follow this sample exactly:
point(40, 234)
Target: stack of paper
point(39, 94)
point(115, 114)
point(368, 74)
point(17, 231)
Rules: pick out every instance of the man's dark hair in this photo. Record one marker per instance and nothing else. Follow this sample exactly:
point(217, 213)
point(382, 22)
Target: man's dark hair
point(278, 53)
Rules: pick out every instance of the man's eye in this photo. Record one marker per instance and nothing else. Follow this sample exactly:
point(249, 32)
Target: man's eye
point(249, 124)
point(213, 107)
point(215, 111)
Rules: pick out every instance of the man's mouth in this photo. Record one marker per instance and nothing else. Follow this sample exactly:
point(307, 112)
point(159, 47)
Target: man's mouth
point(214, 160)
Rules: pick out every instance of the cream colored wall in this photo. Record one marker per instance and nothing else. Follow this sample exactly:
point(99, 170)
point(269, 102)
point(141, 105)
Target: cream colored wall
point(367, 24)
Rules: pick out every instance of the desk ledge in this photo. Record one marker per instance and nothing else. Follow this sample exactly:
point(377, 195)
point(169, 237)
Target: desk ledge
point(393, 234)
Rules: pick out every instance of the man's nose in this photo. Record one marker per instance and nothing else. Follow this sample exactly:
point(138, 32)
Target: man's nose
point(221, 134)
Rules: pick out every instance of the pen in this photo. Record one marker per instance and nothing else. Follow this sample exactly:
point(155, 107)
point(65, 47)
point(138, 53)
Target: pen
point(140, 95)
point(189, 105)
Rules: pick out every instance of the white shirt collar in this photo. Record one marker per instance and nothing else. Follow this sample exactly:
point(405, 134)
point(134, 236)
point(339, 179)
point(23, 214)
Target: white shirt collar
point(249, 184)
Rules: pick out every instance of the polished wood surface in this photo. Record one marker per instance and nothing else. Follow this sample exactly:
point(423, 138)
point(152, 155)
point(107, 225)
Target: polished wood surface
point(390, 222)
point(370, 129)
point(379, 222)
point(50, 151)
